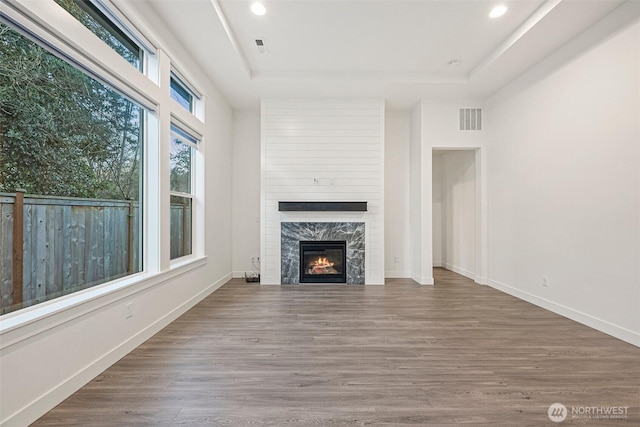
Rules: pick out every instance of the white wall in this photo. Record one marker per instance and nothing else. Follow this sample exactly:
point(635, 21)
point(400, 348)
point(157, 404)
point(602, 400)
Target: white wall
point(397, 194)
point(322, 150)
point(563, 182)
point(44, 360)
point(420, 190)
point(436, 126)
point(438, 209)
point(246, 192)
point(459, 211)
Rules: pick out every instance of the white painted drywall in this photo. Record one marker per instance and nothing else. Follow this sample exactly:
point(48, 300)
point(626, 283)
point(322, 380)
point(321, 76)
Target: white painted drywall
point(436, 126)
point(397, 194)
point(438, 207)
point(322, 150)
point(459, 211)
point(563, 182)
point(246, 192)
point(419, 213)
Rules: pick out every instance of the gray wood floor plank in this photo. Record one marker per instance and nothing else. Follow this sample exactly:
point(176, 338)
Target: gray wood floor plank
point(402, 354)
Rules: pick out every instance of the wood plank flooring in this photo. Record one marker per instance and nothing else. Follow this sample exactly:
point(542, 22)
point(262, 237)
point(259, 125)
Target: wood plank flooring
point(400, 354)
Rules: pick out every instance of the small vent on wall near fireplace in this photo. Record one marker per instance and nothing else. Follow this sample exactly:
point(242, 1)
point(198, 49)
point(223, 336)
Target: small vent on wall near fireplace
point(471, 119)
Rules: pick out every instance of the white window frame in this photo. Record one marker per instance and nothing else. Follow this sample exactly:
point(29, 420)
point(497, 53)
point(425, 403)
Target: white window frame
point(197, 108)
point(188, 139)
point(65, 37)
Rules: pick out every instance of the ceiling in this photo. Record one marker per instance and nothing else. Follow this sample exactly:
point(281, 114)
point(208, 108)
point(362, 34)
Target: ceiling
point(399, 50)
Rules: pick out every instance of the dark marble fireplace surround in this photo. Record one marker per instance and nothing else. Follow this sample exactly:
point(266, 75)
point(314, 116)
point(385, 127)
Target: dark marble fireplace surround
point(294, 232)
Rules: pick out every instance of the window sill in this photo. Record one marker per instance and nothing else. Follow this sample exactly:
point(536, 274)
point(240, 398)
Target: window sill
point(28, 322)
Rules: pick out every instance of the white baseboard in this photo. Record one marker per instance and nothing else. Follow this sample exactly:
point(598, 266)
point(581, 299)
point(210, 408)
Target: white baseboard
point(616, 331)
point(422, 280)
point(47, 401)
point(437, 264)
point(397, 274)
point(468, 274)
point(480, 280)
point(461, 271)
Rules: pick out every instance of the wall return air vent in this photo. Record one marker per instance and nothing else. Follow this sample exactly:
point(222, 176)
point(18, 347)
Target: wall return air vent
point(471, 119)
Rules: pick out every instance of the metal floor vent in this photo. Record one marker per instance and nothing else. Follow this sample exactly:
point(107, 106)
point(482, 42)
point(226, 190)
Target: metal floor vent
point(471, 119)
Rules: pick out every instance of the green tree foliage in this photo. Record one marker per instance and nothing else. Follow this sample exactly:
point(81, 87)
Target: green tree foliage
point(62, 132)
point(180, 164)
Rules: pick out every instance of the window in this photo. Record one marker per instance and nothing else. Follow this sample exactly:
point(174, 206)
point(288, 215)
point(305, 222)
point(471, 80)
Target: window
point(182, 174)
point(70, 171)
point(75, 132)
point(181, 93)
point(91, 17)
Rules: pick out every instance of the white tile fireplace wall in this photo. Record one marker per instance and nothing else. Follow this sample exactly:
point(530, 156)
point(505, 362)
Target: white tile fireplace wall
point(322, 150)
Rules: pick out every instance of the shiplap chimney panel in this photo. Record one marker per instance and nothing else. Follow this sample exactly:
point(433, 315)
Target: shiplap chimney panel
point(322, 150)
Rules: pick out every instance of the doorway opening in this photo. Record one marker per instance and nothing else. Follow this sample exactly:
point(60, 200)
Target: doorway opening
point(455, 211)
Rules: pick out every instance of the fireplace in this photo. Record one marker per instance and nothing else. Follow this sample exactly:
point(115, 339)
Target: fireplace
point(292, 233)
point(323, 261)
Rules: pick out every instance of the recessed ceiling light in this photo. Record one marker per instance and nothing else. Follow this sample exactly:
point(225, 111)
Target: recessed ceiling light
point(498, 11)
point(258, 8)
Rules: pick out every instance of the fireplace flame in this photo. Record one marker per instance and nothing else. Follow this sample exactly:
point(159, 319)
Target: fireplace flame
point(322, 262)
point(321, 266)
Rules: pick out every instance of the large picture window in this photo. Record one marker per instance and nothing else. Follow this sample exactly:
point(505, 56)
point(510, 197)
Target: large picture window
point(70, 175)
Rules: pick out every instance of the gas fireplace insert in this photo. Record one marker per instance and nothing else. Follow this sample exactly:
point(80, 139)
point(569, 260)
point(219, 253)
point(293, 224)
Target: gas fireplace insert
point(323, 261)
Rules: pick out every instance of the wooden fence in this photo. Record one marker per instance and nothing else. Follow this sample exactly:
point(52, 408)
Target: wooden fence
point(180, 229)
point(52, 246)
point(62, 245)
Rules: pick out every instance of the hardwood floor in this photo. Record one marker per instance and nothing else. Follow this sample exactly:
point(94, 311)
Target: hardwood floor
point(400, 354)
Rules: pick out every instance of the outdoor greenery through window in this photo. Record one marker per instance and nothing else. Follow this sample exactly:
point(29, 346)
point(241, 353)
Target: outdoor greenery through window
point(183, 148)
point(92, 18)
point(70, 175)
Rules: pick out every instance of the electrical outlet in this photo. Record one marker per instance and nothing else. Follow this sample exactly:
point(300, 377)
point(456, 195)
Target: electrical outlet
point(316, 180)
point(545, 281)
point(397, 259)
point(128, 310)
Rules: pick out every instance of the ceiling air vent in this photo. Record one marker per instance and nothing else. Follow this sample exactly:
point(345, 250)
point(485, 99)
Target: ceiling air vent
point(471, 119)
point(260, 45)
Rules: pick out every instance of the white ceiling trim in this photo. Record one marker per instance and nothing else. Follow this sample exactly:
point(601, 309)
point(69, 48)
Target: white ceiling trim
point(523, 29)
point(367, 76)
point(232, 38)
